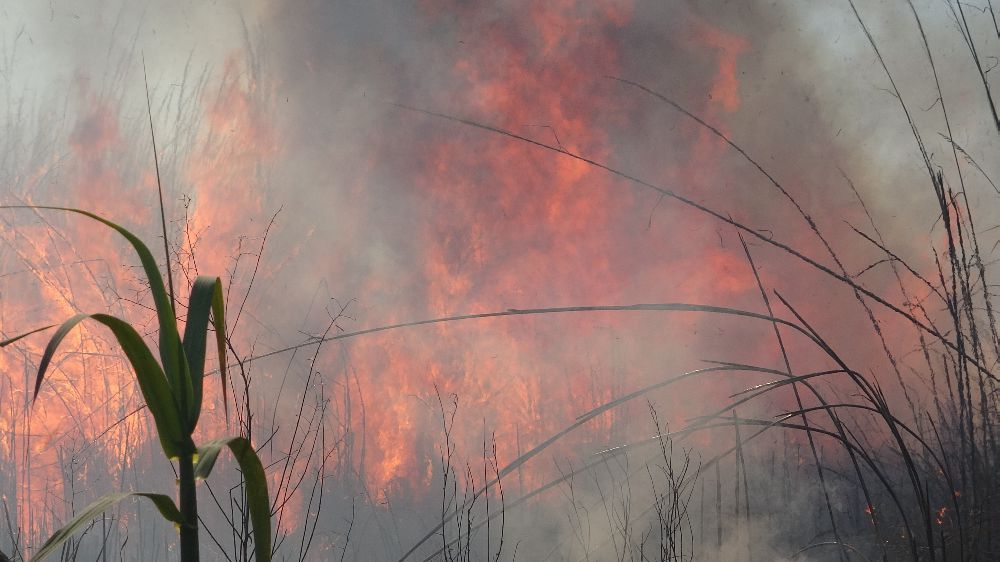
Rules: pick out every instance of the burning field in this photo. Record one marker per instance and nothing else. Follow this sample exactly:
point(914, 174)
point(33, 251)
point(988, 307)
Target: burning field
point(607, 280)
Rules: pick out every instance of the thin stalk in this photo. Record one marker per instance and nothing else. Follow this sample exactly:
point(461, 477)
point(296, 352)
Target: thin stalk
point(159, 189)
point(189, 509)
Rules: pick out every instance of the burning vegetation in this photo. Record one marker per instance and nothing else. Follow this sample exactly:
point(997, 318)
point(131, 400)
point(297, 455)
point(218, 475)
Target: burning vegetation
point(612, 280)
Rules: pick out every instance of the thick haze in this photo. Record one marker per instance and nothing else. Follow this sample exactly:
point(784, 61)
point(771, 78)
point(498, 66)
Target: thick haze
point(262, 108)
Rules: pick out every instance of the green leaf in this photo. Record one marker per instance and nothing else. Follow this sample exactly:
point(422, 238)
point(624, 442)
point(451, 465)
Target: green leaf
point(163, 504)
point(152, 381)
point(206, 297)
point(7, 342)
point(256, 486)
point(171, 352)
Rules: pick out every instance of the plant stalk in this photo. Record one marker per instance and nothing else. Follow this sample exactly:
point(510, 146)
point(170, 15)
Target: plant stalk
point(189, 509)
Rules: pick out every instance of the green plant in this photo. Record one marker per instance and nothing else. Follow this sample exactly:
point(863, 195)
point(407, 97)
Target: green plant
point(173, 394)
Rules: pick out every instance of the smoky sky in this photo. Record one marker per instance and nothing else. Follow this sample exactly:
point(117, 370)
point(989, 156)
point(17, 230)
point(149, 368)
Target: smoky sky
point(814, 109)
point(812, 95)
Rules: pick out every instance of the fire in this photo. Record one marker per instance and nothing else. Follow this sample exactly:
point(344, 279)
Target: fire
point(492, 244)
point(86, 413)
point(83, 407)
point(512, 227)
point(729, 47)
point(939, 518)
point(467, 222)
point(518, 227)
point(227, 174)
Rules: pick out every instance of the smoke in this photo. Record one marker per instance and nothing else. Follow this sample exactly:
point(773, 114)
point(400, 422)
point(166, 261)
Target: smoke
point(389, 215)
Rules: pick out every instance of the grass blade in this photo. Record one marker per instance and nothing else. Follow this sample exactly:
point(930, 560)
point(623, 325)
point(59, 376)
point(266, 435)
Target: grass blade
point(163, 504)
point(9, 341)
point(256, 486)
point(152, 381)
point(206, 297)
point(171, 352)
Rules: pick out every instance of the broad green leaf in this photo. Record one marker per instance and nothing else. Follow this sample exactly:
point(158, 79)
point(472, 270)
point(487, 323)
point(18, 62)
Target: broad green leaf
point(171, 351)
point(9, 341)
point(152, 381)
point(206, 297)
point(163, 504)
point(256, 486)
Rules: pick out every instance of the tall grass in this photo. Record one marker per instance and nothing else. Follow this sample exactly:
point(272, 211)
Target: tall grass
point(173, 394)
